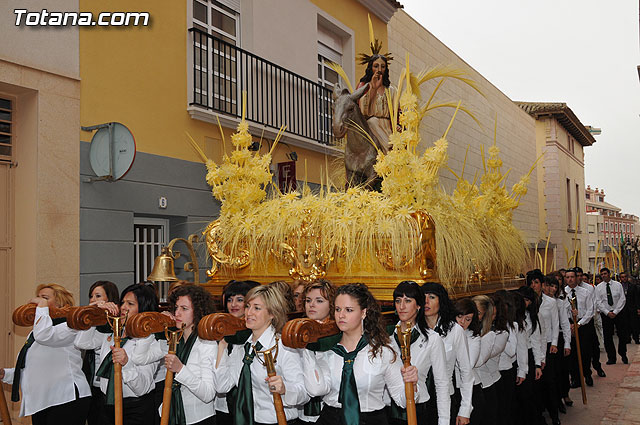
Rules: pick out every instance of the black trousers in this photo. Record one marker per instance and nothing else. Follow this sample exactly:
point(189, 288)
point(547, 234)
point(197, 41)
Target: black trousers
point(595, 349)
point(71, 413)
point(333, 416)
point(479, 405)
point(158, 392)
point(135, 410)
point(97, 415)
point(608, 325)
point(490, 414)
point(211, 420)
point(562, 370)
point(524, 396)
point(587, 334)
point(421, 409)
point(223, 418)
point(548, 386)
point(506, 389)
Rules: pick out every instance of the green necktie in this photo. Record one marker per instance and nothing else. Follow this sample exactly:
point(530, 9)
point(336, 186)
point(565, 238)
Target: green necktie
point(348, 396)
point(22, 360)
point(609, 295)
point(106, 371)
point(397, 412)
point(183, 350)
point(244, 402)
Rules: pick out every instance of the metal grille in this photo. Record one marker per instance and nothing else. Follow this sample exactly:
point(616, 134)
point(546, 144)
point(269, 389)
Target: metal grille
point(275, 96)
point(150, 235)
point(6, 127)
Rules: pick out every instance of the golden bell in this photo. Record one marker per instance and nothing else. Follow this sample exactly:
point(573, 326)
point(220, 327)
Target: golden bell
point(163, 268)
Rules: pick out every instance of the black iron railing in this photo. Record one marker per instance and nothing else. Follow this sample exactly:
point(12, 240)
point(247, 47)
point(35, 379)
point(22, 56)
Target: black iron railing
point(275, 96)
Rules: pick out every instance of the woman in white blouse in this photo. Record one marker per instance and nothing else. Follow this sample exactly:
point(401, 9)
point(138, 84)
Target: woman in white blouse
point(265, 315)
point(194, 361)
point(318, 297)
point(440, 316)
point(493, 340)
point(360, 364)
point(233, 295)
point(100, 291)
point(427, 352)
point(527, 410)
point(467, 318)
point(54, 389)
point(137, 381)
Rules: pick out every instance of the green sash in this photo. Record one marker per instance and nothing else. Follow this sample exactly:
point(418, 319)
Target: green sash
point(106, 371)
point(348, 396)
point(244, 402)
point(183, 350)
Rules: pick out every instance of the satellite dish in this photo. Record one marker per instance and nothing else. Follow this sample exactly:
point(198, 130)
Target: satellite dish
point(112, 150)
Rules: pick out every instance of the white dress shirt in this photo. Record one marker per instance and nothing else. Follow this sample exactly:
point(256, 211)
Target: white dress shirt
point(455, 345)
point(564, 312)
point(617, 293)
point(548, 314)
point(196, 376)
point(53, 367)
point(508, 356)
point(137, 380)
point(429, 353)
point(491, 346)
point(288, 366)
point(371, 375)
point(586, 303)
point(522, 352)
point(473, 344)
point(534, 340)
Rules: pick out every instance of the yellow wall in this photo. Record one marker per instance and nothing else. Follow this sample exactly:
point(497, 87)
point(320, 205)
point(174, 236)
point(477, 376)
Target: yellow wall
point(138, 76)
point(354, 15)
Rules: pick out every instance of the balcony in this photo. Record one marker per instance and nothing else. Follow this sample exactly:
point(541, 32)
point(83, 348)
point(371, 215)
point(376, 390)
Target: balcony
point(275, 95)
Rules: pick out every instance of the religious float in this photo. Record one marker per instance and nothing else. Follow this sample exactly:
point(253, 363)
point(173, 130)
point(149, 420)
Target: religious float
point(408, 229)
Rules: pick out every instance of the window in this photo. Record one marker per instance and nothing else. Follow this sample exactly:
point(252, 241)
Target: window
point(632, 229)
point(577, 207)
point(330, 47)
point(220, 20)
point(606, 241)
point(616, 227)
point(150, 235)
point(569, 215)
point(588, 196)
point(6, 124)
point(592, 247)
point(601, 198)
point(606, 225)
point(592, 228)
point(600, 227)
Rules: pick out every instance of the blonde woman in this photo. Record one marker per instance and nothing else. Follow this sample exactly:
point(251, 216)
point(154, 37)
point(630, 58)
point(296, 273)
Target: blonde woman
point(48, 370)
point(265, 315)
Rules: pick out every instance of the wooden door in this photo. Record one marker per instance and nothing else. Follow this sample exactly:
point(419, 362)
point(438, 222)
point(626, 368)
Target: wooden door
point(6, 263)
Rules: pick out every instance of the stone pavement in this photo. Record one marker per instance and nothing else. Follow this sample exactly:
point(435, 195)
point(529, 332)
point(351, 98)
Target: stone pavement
point(614, 400)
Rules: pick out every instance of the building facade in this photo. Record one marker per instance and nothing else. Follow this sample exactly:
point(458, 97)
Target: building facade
point(609, 229)
point(561, 139)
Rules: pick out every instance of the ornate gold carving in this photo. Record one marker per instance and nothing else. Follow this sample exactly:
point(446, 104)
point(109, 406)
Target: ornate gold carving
point(303, 253)
point(220, 258)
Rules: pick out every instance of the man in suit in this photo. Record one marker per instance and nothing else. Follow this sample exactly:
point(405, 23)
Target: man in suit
point(610, 299)
point(630, 310)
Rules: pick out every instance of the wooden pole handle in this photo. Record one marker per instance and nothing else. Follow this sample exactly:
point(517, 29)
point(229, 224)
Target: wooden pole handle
point(117, 387)
point(166, 398)
point(4, 409)
point(579, 355)
point(409, 393)
point(277, 402)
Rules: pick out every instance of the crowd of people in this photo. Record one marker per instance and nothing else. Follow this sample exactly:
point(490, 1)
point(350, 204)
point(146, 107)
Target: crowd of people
point(505, 358)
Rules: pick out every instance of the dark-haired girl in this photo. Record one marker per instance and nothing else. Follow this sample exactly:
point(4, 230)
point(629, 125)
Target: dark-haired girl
point(527, 410)
point(101, 291)
point(193, 363)
point(493, 341)
point(359, 366)
point(427, 352)
point(440, 315)
point(233, 296)
point(508, 366)
point(467, 318)
point(137, 381)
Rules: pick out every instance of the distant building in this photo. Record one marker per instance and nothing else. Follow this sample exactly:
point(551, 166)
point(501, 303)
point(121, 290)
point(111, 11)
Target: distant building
point(608, 226)
point(561, 137)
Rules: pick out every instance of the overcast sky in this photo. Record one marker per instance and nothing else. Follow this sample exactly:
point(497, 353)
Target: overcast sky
point(584, 53)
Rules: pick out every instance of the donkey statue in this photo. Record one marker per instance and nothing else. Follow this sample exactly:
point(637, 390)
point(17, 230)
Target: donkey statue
point(359, 154)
